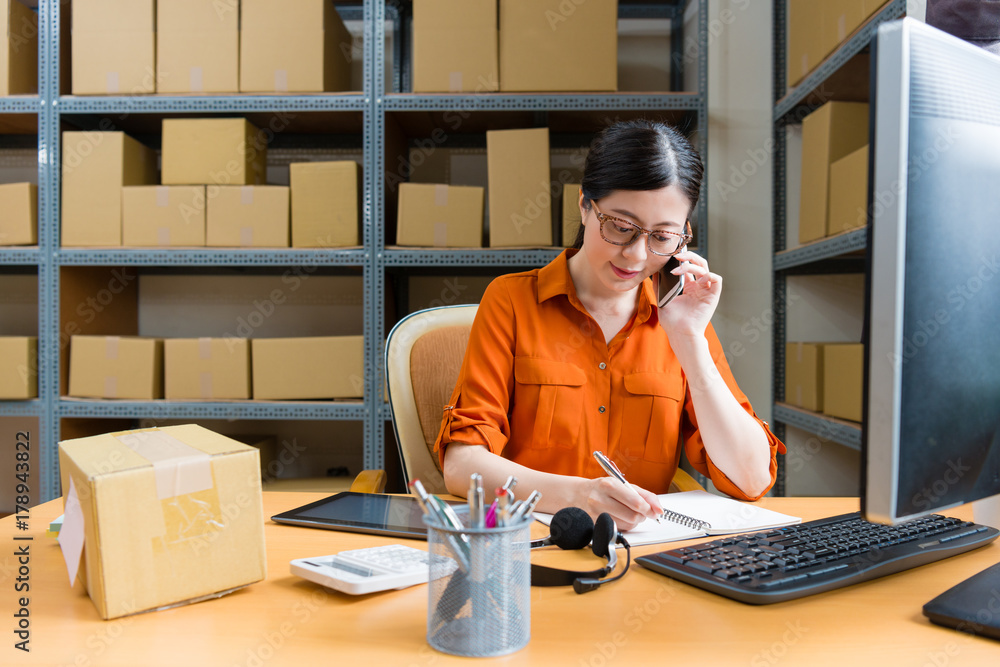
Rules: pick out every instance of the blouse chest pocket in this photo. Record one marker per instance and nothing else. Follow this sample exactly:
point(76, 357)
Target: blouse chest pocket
point(651, 416)
point(549, 400)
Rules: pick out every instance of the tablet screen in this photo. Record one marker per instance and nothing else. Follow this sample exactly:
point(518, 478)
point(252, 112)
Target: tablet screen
point(380, 514)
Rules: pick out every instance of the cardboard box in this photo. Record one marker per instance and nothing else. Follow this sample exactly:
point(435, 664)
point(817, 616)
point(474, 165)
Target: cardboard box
point(116, 367)
point(206, 368)
point(308, 368)
point(519, 187)
point(840, 19)
point(248, 216)
point(455, 46)
point(293, 47)
point(804, 375)
point(163, 215)
point(19, 222)
point(197, 46)
point(829, 133)
point(213, 151)
point(19, 51)
point(95, 166)
point(441, 216)
point(167, 516)
point(325, 204)
point(113, 45)
point(848, 193)
point(554, 45)
point(18, 367)
point(843, 380)
point(267, 445)
point(570, 213)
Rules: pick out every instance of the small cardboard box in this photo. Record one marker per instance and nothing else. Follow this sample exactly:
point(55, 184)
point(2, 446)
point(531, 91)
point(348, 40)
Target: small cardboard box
point(554, 45)
point(848, 193)
point(95, 166)
point(248, 216)
point(18, 367)
point(840, 19)
point(804, 375)
point(833, 131)
point(113, 47)
point(519, 187)
point(167, 516)
point(570, 213)
point(197, 46)
point(843, 380)
point(213, 151)
point(19, 222)
point(19, 51)
point(442, 216)
point(206, 368)
point(325, 204)
point(293, 47)
point(455, 46)
point(319, 367)
point(116, 367)
point(163, 215)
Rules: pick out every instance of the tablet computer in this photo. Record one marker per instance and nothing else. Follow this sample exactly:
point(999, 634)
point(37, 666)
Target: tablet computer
point(399, 516)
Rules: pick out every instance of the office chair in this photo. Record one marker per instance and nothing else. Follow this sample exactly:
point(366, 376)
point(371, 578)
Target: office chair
point(423, 355)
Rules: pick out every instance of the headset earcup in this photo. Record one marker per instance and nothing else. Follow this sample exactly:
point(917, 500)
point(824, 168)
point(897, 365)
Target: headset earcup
point(605, 534)
point(571, 528)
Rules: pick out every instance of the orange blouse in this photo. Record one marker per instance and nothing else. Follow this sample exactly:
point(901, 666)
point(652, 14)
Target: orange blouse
point(540, 386)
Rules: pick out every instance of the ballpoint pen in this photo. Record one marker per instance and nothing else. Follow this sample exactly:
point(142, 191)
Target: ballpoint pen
point(612, 470)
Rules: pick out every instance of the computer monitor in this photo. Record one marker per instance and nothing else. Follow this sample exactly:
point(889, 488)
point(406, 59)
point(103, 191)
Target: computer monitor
point(931, 429)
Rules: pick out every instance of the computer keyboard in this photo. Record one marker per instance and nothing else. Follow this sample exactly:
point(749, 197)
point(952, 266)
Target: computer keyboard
point(815, 556)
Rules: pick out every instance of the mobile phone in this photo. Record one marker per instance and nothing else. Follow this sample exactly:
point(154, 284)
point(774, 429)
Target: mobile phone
point(669, 285)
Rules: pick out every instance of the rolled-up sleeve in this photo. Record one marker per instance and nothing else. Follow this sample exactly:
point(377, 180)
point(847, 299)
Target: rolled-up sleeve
point(694, 447)
point(477, 413)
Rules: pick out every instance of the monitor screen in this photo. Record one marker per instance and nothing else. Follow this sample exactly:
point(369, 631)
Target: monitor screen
point(931, 431)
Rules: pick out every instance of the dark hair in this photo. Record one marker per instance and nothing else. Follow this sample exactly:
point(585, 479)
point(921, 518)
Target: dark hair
point(639, 155)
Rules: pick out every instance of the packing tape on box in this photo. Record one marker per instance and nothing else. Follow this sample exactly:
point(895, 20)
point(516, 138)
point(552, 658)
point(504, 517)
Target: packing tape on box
point(179, 468)
point(71, 534)
point(204, 348)
point(440, 195)
point(440, 234)
point(246, 195)
point(162, 195)
point(798, 352)
point(246, 236)
point(111, 82)
point(111, 346)
point(798, 394)
point(196, 80)
point(205, 385)
point(110, 386)
point(163, 236)
point(281, 80)
point(454, 82)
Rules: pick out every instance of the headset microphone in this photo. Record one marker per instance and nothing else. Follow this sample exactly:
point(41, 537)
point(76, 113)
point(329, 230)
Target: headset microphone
point(571, 528)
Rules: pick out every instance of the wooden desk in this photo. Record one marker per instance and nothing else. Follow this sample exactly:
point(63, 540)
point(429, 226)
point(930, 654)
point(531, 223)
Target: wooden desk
point(644, 619)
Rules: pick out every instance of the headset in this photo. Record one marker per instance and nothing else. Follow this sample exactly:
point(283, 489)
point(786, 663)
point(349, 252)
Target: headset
point(572, 528)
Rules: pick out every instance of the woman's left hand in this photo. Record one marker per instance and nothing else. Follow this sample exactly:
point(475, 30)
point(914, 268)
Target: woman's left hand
point(690, 313)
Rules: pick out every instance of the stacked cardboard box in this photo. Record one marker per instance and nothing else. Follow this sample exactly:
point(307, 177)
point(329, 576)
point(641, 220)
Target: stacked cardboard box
point(95, 166)
point(19, 222)
point(804, 375)
point(848, 193)
point(127, 367)
point(197, 46)
point(843, 380)
point(324, 197)
point(455, 46)
point(161, 215)
point(520, 188)
point(319, 367)
point(18, 50)
point(206, 368)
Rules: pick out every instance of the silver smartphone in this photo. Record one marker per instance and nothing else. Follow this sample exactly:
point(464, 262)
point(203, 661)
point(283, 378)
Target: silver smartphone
point(668, 284)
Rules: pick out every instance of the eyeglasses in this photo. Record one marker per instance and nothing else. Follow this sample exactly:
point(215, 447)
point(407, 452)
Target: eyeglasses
point(622, 232)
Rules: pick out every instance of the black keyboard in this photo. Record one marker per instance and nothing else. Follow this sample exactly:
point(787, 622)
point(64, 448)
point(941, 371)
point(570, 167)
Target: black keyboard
point(816, 556)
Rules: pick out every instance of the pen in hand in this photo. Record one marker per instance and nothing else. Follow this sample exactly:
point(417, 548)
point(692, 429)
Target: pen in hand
point(612, 470)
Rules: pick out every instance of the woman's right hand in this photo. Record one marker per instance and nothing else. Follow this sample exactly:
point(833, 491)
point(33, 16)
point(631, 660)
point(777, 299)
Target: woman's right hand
point(629, 505)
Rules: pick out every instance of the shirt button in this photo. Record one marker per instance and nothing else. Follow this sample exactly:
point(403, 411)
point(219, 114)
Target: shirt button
point(601, 409)
point(602, 366)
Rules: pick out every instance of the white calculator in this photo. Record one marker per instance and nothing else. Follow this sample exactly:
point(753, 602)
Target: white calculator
point(361, 571)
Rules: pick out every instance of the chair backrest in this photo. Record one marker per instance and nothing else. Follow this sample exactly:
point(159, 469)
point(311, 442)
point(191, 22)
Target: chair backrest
point(423, 355)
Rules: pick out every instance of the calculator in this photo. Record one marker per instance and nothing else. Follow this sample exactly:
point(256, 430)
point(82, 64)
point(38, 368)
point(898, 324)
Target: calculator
point(361, 571)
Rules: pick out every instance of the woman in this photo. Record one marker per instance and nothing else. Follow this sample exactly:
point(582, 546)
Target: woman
point(576, 357)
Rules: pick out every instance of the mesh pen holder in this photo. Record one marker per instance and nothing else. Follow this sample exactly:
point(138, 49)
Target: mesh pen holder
point(484, 607)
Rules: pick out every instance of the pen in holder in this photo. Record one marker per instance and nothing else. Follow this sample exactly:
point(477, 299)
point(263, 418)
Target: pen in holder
point(483, 609)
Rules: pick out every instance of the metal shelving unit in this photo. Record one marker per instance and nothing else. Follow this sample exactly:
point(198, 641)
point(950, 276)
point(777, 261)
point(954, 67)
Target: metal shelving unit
point(836, 254)
point(351, 114)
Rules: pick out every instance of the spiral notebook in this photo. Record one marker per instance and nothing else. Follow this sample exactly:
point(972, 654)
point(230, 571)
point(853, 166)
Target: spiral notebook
point(693, 514)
